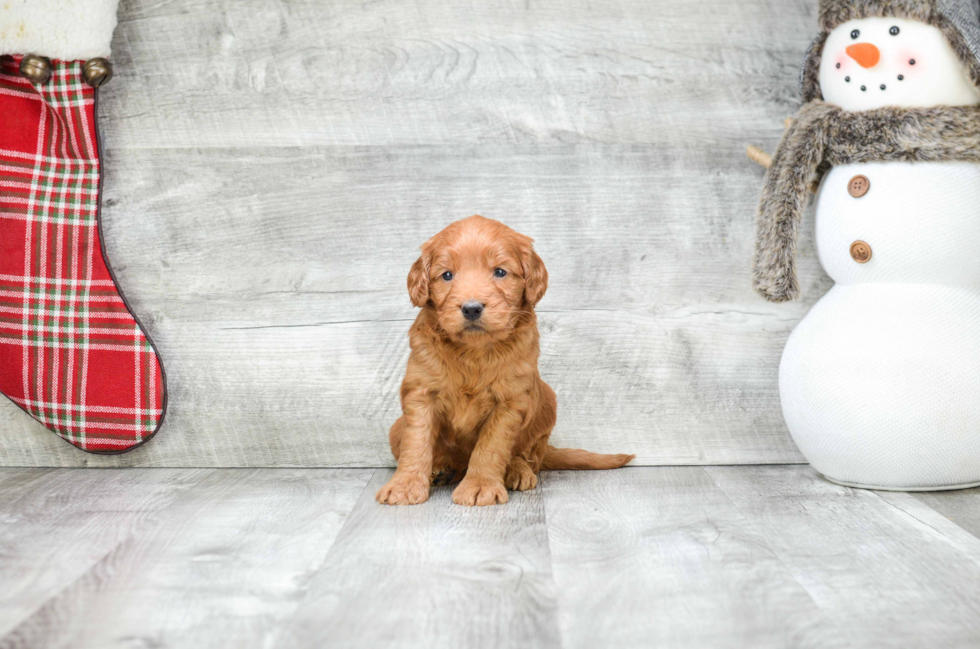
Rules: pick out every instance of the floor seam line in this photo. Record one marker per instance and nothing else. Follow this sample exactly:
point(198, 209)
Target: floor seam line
point(286, 623)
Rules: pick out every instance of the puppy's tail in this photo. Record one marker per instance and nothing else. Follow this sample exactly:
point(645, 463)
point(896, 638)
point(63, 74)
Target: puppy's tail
point(557, 459)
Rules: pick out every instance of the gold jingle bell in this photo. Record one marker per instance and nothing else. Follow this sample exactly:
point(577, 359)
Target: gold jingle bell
point(36, 69)
point(97, 71)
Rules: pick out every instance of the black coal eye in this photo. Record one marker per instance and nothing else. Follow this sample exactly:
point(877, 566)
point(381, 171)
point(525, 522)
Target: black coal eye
point(855, 34)
point(499, 272)
point(448, 275)
point(893, 31)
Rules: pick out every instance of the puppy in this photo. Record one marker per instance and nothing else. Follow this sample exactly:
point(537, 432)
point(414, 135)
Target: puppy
point(475, 409)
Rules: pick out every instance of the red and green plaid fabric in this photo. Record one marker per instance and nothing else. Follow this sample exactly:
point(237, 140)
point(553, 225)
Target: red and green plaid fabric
point(71, 352)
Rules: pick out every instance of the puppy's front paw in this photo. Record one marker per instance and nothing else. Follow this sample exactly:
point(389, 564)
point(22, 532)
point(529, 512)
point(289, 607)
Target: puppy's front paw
point(405, 489)
point(479, 492)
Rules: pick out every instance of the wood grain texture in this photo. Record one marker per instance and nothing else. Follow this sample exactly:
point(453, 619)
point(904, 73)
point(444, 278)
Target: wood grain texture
point(883, 567)
point(662, 558)
point(647, 556)
point(223, 566)
point(433, 575)
point(55, 525)
point(961, 507)
point(273, 166)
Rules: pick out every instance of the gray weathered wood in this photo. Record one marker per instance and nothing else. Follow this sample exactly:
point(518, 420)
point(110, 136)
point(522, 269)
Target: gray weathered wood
point(433, 575)
point(648, 556)
point(223, 566)
point(932, 520)
point(662, 558)
point(272, 167)
point(881, 568)
point(20, 483)
point(55, 525)
point(961, 507)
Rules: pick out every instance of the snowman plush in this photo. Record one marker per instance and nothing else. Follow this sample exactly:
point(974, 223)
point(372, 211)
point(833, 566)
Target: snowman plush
point(880, 382)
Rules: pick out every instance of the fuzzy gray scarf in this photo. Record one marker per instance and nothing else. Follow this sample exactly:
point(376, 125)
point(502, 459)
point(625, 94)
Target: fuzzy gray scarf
point(823, 135)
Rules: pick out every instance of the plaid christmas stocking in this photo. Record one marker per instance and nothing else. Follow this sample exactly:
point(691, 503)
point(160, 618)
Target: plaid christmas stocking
point(72, 353)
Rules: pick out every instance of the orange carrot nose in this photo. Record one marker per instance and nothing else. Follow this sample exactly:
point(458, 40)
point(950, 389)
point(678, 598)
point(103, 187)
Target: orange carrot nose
point(865, 54)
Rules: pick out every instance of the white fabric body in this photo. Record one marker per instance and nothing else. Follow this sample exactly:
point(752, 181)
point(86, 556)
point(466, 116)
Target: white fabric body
point(59, 29)
point(937, 78)
point(922, 221)
point(880, 383)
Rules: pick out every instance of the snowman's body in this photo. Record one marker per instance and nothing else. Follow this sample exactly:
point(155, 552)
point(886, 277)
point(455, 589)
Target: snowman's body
point(880, 383)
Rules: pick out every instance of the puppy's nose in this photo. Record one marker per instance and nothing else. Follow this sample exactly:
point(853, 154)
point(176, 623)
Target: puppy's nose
point(472, 310)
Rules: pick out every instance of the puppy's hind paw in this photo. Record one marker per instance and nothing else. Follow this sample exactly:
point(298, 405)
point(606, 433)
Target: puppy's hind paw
point(443, 475)
point(404, 490)
point(474, 492)
point(520, 476)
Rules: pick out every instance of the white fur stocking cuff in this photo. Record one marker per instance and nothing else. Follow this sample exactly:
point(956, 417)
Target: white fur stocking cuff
point(58, 29)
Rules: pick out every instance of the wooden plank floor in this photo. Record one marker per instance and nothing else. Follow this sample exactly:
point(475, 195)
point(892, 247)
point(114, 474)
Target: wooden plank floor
point(765, 556)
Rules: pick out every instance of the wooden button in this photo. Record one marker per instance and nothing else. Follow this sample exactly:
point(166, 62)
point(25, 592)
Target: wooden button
point(860, 252)
point(858, 186)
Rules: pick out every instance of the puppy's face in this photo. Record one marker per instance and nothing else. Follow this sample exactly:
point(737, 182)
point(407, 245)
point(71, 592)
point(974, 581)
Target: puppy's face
point(479, 276)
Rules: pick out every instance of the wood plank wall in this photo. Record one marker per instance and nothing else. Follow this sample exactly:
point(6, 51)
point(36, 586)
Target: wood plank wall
point(273, 165)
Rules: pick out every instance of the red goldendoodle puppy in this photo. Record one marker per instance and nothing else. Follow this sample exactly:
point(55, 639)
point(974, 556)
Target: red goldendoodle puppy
point(475, 409)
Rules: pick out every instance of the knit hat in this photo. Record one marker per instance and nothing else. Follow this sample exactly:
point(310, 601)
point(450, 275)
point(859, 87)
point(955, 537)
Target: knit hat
point(958, 20)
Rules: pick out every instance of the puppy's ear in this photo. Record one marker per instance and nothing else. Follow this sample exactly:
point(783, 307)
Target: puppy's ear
point(535, 277)
point(418, 283)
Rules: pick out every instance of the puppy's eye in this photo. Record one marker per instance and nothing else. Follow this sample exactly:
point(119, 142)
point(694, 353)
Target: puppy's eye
point(499, 272)
point(855, 34)
point(448, 275)
point(893, 31)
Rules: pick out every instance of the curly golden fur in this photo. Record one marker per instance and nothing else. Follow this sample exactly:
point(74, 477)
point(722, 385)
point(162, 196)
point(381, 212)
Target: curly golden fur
point(475, 408)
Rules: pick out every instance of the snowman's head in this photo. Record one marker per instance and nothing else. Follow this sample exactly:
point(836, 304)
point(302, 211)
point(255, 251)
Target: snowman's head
point(904, 53)
point(874, 62)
